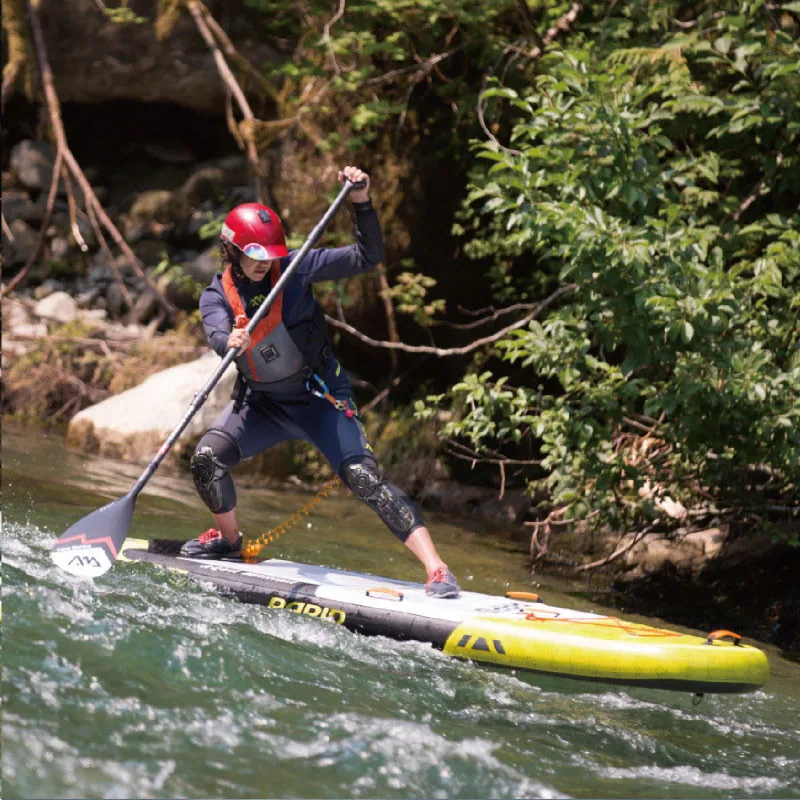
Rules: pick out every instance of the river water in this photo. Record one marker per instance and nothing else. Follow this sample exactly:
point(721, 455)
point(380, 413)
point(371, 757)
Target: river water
point(140, 684)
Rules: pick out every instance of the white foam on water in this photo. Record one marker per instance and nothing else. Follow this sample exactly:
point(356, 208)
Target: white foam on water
point(693, 776)
point(404, 755)
point(59, 770)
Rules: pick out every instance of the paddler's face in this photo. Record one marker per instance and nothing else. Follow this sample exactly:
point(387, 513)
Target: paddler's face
point(255, 270)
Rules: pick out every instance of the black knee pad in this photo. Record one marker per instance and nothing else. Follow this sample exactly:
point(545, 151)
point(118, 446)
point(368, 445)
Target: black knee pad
point(215, 452)
point(392, 505)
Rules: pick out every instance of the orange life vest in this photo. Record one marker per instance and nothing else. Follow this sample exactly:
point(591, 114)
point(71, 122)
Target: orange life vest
point(274, 360)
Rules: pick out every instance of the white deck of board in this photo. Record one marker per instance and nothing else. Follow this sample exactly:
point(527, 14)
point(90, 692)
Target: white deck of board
point(340, 586)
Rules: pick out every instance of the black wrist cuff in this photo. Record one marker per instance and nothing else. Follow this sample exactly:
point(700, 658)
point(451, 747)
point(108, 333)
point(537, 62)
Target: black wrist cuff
point(365, 206)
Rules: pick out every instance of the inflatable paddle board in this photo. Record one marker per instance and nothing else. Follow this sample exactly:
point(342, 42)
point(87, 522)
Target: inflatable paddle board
point(518, 631)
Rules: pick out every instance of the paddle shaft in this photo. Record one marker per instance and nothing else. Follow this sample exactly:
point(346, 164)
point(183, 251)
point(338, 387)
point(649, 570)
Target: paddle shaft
point(202, 395)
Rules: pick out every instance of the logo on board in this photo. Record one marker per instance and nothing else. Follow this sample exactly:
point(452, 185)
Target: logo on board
point(470, 642)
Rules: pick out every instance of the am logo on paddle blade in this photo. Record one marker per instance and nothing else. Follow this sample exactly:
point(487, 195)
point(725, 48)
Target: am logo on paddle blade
point(86, 562)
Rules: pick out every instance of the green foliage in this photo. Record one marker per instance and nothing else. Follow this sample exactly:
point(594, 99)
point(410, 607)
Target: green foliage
point(410, 296)
point(175, 275)
point(122, 15)
point(384, 63)
point(212, 228)
point(658, 184)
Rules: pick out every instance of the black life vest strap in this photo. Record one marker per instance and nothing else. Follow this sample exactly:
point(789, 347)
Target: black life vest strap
point(239, 391)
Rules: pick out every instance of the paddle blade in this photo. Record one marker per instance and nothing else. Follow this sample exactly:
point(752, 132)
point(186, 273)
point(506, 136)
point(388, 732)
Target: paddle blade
point(90, 546)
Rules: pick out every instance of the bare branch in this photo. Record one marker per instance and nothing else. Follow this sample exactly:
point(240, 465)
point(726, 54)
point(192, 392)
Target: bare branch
point(466, 326)
point(73, 220)
point(326, 36)
point(106, 345)
point(16, 45)
point(388, 308)
point(638, 536)
point(755, 193)
point(233, 54)
point(230, 81)
point(48, 212)
point(468, 454)
point(90, 198)
point(421, 70)
point(562, 26)
point(110, 258)
point(452, 351)
point(6, 229)
point(489, 134)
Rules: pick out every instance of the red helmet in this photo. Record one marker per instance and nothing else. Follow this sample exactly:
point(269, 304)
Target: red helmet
point(255, 230)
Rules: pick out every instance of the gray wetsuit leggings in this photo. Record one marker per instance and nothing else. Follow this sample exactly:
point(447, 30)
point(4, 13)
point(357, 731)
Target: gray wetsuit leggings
point(266, 420)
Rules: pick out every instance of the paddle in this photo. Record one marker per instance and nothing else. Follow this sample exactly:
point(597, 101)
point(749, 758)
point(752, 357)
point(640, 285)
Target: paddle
point(90, 546)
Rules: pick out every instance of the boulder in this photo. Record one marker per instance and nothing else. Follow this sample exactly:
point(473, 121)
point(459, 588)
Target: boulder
point(205, 266)
point(59, 306)
point(18, 205)
point(16, 313)
point(32, 163)
point(132, 426)
point(18, 248)
point(690, 551)
point(47, 288)
point(95, 60)
point(150, 212)
point(209, 180)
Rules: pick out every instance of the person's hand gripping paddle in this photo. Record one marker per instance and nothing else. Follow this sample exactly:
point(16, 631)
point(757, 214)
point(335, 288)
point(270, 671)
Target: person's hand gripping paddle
point(90, 546)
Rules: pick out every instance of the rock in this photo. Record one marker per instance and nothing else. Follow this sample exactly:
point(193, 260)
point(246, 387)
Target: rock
point(133, 425)
point(114, 299)
point(62, 227)
point(189, 227)
point(211, 179)
point(205, 184)
point(59, 247)
point(20, 247)
point(205, 266)
point(101, 273)
point(686, 551)
point(59, 306)
point(47, 288)
point(32, 163)
point(171, 151)
point(154, 204)
point(94, 315)
point(85, 298)
point(144, 307)
point(15, 314)
point(96, 61)
point(150, 251)
point(34, 330)
point(18, 205)
point(151, 212)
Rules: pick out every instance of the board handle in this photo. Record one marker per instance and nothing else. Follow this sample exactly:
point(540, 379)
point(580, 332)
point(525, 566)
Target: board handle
point(532, 596)
point(716, 635)
point(383, 591)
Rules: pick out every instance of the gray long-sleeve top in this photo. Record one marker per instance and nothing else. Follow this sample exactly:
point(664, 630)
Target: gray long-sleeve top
point(298, 298)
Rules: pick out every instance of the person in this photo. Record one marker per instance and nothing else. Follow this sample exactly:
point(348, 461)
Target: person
point(290, 385)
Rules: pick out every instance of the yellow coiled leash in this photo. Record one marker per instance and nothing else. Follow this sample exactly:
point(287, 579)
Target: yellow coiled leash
point(252, 549)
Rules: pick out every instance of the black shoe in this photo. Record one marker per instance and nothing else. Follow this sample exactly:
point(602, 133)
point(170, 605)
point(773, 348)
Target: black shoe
point(211, 544)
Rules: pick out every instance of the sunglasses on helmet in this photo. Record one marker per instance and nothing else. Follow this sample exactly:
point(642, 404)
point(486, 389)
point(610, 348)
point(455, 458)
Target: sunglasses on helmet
point(256, 251)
